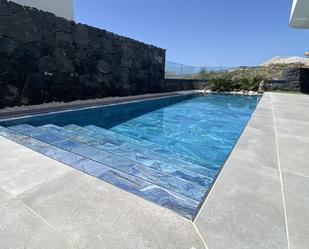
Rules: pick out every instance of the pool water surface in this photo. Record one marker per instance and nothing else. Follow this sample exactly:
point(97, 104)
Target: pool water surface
point(204, 128)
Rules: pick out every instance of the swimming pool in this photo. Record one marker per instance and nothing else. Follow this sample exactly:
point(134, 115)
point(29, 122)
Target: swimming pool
point(167, 150)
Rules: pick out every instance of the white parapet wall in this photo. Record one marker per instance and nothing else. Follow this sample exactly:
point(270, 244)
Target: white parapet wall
point(300, 14)
point(62, 8)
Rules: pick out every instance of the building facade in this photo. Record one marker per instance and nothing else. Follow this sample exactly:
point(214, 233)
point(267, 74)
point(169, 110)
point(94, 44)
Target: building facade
point(300, 14)
point(62, 8)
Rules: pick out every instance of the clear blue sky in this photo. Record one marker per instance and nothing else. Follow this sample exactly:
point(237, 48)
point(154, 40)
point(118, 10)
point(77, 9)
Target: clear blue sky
point(202, 32)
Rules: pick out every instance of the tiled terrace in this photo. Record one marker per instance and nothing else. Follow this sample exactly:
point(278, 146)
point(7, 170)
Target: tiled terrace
point(260, 199)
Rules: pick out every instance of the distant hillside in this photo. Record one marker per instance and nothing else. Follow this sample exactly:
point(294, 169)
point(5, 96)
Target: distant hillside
point(271, 72)
point(275, 68)
point(286, 61)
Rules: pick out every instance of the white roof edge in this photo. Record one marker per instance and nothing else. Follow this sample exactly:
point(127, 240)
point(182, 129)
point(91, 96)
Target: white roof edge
point(293, 9)
point(300, 23)
point(61, 8)
point(300, 14)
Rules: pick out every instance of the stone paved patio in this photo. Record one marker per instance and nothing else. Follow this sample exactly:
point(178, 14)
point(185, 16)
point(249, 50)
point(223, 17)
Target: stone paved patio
point(260, 199)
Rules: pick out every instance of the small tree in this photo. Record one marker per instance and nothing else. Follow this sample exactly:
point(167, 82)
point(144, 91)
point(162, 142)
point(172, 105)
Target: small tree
point(203, 73)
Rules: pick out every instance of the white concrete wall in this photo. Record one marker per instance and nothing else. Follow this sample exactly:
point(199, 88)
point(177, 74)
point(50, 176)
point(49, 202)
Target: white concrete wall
point(300, 14)
point(62, 8)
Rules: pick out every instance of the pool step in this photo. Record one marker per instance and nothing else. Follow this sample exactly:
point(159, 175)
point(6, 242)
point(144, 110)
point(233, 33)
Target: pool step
point(153, 147)
point(177, 185)
point(173, 170)
point(105, 135)
point(184, 206)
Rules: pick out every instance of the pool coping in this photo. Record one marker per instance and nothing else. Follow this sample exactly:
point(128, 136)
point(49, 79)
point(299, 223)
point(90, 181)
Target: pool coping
point(21, 111)
point(231, 216)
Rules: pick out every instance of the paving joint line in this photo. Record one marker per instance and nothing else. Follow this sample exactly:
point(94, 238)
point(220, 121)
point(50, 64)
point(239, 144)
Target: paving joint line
point(200, 235)
point(45, 221)
point(13, 197)
point(280, 174)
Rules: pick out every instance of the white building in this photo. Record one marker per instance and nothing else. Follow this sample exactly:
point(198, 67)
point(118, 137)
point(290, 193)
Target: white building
point(62, 8)
point(300, 14)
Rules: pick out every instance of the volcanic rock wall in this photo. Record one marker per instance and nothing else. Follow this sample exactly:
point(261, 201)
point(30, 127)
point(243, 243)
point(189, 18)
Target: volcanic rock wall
point(44, 58)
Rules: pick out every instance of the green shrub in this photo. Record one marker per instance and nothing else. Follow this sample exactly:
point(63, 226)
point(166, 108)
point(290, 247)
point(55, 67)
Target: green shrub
point(227, 82)
point(250, 84)
point(222, 83)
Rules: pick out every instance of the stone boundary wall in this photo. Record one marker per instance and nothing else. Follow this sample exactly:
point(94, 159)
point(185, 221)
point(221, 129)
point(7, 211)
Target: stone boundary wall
point(44, 58)
point(281, 85)
point(297, 80)
point(304, 80)
point(172, 85)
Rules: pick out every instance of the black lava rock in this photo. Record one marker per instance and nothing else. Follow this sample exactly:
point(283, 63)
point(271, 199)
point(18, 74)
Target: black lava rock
point(46, 58)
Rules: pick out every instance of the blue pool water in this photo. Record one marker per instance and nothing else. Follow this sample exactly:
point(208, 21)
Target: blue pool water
point(168, 150)
point(204, 128)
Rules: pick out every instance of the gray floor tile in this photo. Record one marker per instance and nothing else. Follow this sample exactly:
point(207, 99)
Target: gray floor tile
point(20, 228)
point(10, 148)
point(297, 203)
point(290, 98)
point(292, 112)
point(292, 127)
point(290, 104)
point(13, 177)
point(264, 111)
point(294, 154)
point(28, 169)
point(265, 102)
point(265, 105)
point(257, 146)
point(4, 196)
point(244, 209)
point(262, 122)
point(94, 215)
